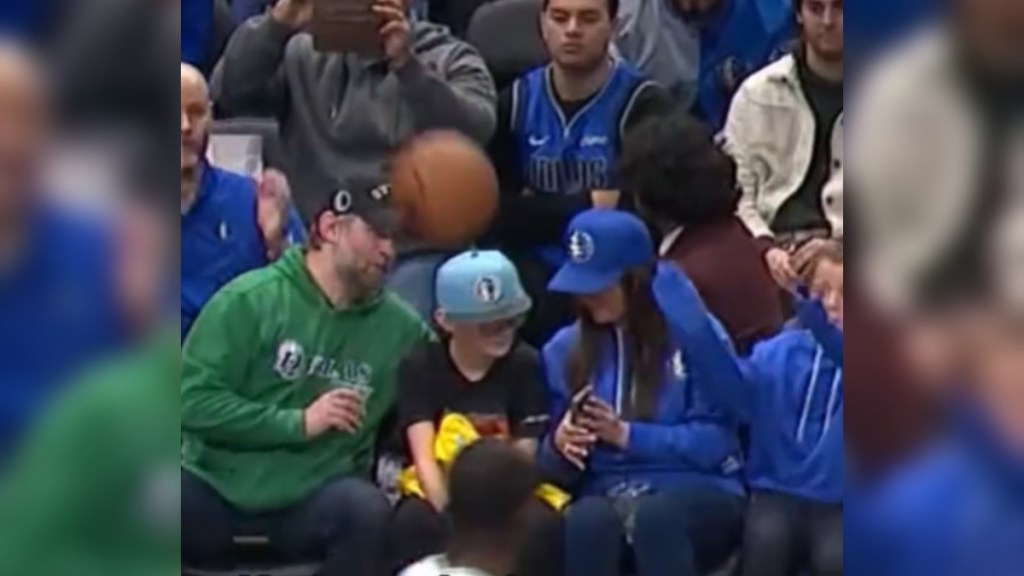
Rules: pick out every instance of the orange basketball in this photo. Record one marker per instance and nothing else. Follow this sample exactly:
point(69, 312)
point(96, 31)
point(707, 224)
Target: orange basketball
point(446, 187)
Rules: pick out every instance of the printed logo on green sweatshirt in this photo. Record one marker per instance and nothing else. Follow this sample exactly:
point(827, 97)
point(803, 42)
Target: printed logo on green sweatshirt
point(294, 364)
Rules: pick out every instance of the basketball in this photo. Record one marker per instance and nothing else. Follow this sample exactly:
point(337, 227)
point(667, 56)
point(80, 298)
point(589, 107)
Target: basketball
point(446, 187)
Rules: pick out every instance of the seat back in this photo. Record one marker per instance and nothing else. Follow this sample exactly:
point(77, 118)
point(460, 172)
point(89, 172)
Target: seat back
point(507, 34)
point(237, 140)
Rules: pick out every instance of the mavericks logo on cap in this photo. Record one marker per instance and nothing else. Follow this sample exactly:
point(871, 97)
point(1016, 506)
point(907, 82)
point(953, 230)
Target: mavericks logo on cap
point(581, 247)
point(488, 290)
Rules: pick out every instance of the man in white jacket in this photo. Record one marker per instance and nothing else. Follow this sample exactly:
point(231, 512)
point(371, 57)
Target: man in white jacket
point(937, 155)
point(785, 130)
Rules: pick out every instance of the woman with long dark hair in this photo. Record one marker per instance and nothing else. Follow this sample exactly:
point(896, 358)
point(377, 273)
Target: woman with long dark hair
point(649, 463)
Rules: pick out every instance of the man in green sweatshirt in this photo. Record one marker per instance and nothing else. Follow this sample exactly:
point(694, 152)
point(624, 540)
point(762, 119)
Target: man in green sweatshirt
point(287, 376)
point(95, 491)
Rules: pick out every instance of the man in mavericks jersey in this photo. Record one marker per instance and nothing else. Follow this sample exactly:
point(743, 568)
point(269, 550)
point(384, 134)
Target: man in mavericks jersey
point(287, 376)
point(559, 134)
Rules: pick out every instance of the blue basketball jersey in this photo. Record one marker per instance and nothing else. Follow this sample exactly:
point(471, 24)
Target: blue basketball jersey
point(560, 155)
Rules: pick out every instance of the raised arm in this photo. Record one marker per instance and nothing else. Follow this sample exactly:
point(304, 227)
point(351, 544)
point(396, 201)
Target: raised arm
point(727, 380)
point(812, 316)
point(250, 78)
point(461, 97)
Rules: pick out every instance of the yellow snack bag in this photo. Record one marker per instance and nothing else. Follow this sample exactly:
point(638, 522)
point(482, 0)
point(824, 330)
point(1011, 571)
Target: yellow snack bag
point(457, 432)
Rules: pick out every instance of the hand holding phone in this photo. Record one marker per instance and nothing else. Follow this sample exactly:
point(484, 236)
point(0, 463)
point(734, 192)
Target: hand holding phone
point(579, 402)
point(572, 441)
point(346, 26)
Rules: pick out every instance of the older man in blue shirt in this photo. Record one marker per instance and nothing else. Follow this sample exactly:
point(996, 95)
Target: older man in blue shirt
point(59, 305)
point(229, 223)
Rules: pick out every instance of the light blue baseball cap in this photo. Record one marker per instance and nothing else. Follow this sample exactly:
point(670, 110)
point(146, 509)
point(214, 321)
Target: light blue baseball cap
point(480, 287)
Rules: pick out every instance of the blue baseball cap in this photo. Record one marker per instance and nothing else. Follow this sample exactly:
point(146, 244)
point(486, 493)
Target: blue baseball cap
point(601, 245)
point(480, 287)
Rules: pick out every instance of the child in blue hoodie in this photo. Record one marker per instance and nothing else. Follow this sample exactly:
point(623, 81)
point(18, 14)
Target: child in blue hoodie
point(790, 394)
point(648, 460)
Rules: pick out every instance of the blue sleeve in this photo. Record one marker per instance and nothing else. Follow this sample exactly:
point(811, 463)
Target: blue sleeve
point(706, 443)
point(812, 316)
point(723, 377)
point(551, 464)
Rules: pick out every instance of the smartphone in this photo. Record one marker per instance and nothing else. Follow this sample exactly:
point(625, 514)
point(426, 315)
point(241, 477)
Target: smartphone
point(346, 26)
point(576, 410)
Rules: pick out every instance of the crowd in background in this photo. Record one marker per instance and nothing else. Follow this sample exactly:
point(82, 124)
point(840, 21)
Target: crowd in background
point(653, 328)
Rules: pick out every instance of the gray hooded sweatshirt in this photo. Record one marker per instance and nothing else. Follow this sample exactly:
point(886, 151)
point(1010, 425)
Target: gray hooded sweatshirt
point(654, 37)
point(342, 115)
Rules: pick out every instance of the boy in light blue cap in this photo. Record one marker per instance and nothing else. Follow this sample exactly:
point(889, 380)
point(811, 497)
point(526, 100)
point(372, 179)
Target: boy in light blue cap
point(478, 369)
point(476, 289)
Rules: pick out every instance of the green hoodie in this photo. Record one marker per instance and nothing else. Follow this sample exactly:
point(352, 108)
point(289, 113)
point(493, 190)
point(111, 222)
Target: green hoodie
point(263, 350)
point(95, 491)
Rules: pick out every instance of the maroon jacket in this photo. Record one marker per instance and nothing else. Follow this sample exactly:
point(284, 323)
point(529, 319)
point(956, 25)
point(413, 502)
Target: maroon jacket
point(889, 414)
point(727, 266)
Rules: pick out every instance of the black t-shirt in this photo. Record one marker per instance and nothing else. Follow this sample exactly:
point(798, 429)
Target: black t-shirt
point(510, 401)
point(529, 221)
point(804, 211)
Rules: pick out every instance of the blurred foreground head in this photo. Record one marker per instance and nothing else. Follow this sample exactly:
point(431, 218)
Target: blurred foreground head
point(992, 32)
point(491, 485)
point(24, 119)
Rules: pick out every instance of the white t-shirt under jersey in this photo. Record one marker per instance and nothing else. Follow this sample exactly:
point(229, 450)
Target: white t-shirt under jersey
point(439, 566)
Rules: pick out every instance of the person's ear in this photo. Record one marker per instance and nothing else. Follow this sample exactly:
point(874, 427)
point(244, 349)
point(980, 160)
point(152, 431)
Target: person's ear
point(329, 227)
point(442, 321)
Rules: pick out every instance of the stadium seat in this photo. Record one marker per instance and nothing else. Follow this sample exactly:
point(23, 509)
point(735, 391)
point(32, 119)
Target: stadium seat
point(507, 34)
point(255, 559)
point(455, 14)
point(274, 155)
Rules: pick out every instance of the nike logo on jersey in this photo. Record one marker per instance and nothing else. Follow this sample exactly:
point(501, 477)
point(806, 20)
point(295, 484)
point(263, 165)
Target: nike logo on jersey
point(535, 141)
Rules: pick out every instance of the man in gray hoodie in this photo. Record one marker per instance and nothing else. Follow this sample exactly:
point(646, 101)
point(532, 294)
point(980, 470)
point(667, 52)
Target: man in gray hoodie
point(342, 115)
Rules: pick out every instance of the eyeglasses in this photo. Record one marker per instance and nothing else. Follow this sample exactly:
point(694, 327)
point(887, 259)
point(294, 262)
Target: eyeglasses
point(502, 326)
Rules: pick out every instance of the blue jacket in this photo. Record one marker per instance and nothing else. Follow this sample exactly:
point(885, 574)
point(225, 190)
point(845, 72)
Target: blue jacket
point(688, 443)
point(196, 31)
point(59, 312)
point(221, 239)
point(956, 511)
point(742, 37)
point(790, 393)
point(883, 22)
point(25, 19)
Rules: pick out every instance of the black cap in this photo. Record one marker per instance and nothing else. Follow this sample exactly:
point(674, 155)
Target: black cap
point(370, 202)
